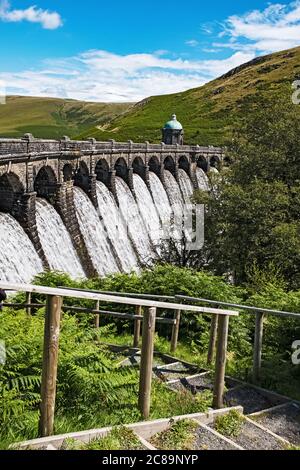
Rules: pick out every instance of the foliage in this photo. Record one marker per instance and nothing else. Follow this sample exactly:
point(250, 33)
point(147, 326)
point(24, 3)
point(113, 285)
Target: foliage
point(92, 391)
point(179, 436)
point(252, 216)
point(230, 424)
point(119, 438)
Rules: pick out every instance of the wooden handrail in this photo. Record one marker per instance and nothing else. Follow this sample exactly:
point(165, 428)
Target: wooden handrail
point(269, 311)
point(112, 299)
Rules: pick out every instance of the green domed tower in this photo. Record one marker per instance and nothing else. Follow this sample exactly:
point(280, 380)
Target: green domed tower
point(173, 132)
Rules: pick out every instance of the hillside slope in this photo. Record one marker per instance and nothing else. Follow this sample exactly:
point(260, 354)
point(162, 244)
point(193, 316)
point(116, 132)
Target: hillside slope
point(53, 117)
point(208, 113)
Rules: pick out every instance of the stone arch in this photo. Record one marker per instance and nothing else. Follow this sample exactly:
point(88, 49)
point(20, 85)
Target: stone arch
point(154, 165)
point(68, 172)
point(11, 191)
point(138, 167)
point(82, 176)
point(170, 165)
point(102, 172)
point(202, 163)
point(45, 183)
point(215, 161)
point(184, 164)
point(121, 168)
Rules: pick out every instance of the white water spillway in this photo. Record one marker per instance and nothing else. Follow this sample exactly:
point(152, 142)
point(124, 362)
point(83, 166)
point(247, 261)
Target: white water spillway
point(147, 209)
point(136, 228)
point(116, 228)
point(56, 241)
point(19, 261)
point(161, 202)
point(93, 231)
point(202, 179)
point(186, 186)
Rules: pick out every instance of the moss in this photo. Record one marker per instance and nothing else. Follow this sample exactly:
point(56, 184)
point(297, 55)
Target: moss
point(231, 424)
point(180, 436)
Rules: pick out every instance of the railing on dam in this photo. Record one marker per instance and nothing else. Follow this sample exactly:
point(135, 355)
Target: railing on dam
point(30, 145)
point(53, 312)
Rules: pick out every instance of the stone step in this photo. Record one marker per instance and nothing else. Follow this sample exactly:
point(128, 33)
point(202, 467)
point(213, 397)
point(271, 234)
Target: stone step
point(283, 420)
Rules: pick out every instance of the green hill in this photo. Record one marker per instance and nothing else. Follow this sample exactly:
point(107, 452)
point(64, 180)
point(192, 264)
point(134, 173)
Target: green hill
point(208, 113)
point(52, 117)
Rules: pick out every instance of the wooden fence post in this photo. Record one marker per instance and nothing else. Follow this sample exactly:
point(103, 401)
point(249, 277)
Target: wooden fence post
point(175, 331)
point(258, 342)
point(147, 361)
point(50, 361)
point(28, 302)
point(97, 316)
point(212, 339)
point(137, 327)
point(223, 324)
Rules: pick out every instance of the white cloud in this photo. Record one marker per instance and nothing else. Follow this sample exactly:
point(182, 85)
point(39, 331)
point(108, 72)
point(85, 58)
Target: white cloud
point(192, 42)
point(275, 28)
point(48, 20)
point(103, 76)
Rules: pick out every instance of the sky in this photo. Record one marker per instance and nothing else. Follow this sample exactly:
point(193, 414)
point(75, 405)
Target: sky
point(117, 51)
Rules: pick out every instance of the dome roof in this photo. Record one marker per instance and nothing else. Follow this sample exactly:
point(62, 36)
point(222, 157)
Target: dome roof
point(173, 124)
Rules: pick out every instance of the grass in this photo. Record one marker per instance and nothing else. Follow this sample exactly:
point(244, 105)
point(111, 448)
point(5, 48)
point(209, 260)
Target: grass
point(208, 113)
point(179, 436)
point(119, 438)
point(52, 117)
point(231, 424)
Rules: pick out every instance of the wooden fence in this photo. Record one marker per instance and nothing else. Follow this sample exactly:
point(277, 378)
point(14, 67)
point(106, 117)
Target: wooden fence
point(260, 314)
point(53, 311)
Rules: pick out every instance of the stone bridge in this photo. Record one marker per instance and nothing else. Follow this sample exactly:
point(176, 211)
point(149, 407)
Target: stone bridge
point(31, 168)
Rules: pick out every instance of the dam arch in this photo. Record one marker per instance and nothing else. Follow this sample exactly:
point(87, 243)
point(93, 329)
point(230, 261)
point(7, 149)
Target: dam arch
point(170, 165)
point(45, 183)
point(184, 164)
point(11, 191)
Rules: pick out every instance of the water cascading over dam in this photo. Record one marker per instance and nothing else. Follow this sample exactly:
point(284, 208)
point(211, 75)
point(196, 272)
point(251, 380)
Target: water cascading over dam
point(87, 208)
point(118, 237)
point(56, 240)
point(19, 261)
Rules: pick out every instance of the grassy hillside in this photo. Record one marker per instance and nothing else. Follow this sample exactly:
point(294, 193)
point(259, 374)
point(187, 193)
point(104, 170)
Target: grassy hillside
point(208, 113)
point(53, 117)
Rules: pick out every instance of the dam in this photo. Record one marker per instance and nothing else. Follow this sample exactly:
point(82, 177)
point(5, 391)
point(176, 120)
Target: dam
point(91, 208)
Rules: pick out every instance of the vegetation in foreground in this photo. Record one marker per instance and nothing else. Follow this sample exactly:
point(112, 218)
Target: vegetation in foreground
point(231, 424)
point(119, 438)
point(179, 436)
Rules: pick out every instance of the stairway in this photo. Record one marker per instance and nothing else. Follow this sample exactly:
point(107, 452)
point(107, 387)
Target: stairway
point(271, 421)
point(265, 420)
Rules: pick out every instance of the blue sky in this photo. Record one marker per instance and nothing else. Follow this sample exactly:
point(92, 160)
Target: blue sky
point(126, 51)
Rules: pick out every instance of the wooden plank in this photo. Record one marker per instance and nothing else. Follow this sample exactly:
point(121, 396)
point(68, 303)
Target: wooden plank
point(175, 331)
point(113, 299)
point(258, 343)
point(147, 362)
point(212, 339)
point(137, 327)
point(50, 362)
point(97, 316)
point(219, 386)
point(28, 302)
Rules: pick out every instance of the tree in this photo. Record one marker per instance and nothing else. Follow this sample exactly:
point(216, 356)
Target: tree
point(253, 211)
